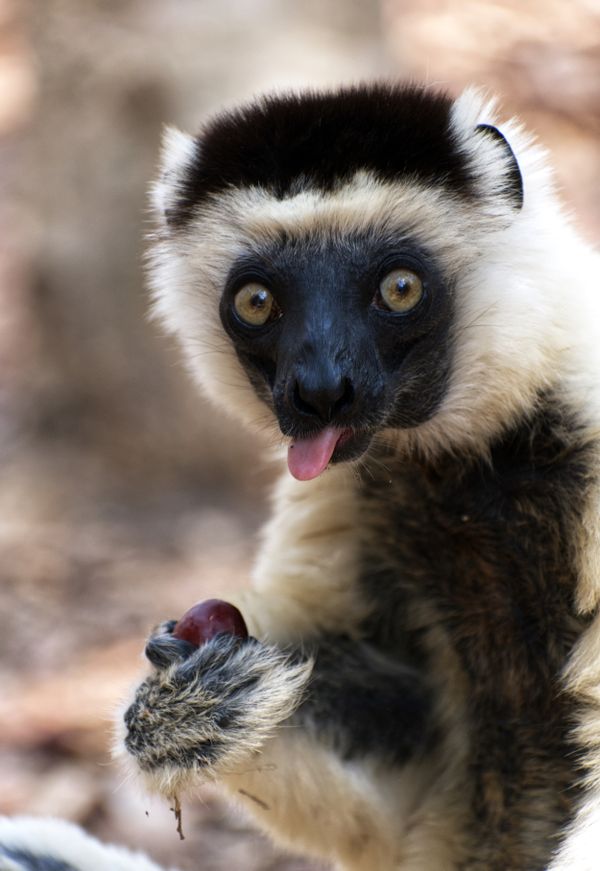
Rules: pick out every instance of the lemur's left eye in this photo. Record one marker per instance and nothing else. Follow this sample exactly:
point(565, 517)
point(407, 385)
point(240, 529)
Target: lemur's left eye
point(400, 290)
point(255, 305)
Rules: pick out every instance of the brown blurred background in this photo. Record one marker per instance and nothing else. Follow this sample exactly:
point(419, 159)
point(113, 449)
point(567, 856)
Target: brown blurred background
point(124, 498)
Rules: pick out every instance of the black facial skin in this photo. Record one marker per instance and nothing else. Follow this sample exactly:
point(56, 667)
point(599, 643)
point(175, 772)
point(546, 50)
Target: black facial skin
point(333, 354)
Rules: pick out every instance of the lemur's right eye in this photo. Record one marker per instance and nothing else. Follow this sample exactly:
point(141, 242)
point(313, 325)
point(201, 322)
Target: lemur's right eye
point(255, 305)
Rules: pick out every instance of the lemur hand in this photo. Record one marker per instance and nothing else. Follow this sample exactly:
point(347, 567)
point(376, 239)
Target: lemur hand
point(205, 711)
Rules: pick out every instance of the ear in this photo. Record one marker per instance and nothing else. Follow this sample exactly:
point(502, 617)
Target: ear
point(513, 177)
point(179, 152)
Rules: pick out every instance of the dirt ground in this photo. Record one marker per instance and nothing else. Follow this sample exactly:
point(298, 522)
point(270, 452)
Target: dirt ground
point(124, 498)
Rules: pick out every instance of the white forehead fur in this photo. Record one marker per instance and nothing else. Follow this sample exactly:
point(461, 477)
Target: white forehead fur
point(526, 312)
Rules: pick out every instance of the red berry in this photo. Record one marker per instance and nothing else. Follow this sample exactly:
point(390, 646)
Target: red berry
point(206, 619)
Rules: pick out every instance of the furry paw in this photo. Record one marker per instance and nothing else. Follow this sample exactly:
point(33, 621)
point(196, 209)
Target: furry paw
point(205, 711)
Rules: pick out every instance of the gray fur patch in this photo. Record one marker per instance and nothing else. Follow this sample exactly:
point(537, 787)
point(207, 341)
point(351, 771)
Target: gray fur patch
point(27, 861)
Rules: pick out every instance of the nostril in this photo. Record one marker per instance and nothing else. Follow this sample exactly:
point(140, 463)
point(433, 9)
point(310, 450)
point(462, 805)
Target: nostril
point(324, 401)
point(346, 400)
point(300, 404)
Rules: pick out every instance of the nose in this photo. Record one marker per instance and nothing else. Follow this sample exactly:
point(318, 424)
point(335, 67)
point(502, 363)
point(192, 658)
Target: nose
point(324, 397)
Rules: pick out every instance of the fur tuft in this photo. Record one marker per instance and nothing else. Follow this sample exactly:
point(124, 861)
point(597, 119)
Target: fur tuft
point(179, 151)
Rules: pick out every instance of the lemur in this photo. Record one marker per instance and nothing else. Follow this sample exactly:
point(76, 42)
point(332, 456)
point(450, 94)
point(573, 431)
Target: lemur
point(385, 284)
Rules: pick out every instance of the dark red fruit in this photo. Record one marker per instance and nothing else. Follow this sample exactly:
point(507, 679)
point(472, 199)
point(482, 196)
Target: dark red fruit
point(206, 619)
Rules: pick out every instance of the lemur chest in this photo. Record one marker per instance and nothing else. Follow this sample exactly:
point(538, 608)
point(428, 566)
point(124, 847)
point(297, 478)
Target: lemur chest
point(486, 554)
point(500, 577)
point(472, 575)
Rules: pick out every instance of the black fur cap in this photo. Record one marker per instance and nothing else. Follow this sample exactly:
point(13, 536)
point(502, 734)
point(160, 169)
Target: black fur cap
point(285, 142)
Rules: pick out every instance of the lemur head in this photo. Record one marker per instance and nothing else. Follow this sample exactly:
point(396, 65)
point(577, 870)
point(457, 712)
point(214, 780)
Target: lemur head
point(353, 263)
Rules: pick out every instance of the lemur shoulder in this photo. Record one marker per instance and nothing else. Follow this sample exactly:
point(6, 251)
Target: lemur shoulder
point(386, 283)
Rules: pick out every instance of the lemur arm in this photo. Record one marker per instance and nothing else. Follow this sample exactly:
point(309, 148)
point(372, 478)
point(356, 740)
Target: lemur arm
point(304, 730)
point(302, 741)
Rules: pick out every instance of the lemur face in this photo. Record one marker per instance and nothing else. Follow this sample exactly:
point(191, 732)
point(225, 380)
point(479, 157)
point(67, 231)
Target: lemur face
point(341, 337)
point(344, 264)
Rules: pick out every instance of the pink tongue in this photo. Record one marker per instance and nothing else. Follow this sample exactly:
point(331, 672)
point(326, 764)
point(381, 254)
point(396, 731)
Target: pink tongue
point(307, 458)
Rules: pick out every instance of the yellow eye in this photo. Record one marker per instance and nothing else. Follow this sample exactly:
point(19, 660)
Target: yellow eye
point(254, 304)
point(401, 290)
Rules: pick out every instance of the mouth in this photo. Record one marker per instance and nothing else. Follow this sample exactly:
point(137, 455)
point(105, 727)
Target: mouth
point(309, 456)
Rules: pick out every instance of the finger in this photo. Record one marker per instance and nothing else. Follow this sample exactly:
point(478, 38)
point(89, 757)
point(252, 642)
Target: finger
point(163, 649)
